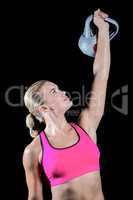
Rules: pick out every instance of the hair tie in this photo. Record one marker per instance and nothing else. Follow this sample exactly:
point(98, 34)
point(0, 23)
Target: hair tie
point(33, 133)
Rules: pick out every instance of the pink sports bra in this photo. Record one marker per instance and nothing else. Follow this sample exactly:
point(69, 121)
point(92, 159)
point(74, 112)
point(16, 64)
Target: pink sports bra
point(64, 164)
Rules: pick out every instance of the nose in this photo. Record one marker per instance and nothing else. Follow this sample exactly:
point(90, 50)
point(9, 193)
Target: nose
point(63, 93)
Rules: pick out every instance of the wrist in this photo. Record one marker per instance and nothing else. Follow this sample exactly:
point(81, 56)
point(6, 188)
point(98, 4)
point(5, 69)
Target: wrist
point(103, 31)
point(104, 27)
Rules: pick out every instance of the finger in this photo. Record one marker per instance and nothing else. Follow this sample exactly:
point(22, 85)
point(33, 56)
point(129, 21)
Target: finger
point(97, 12)
point(103, 15)
point(100, 13)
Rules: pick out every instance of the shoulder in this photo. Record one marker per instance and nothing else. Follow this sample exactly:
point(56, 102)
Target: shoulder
point(31, 153)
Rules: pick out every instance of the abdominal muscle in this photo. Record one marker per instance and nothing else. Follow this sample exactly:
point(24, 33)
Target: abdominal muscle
point(85, 187)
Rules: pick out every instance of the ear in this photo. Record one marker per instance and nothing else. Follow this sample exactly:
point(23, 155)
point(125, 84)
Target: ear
point(42, 109)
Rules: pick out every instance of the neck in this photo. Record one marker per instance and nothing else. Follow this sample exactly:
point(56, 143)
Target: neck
point(56, 124)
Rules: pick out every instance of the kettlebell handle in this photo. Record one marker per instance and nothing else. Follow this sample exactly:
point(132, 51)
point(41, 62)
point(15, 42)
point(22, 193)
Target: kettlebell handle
point(88, 32)
point(112, 21)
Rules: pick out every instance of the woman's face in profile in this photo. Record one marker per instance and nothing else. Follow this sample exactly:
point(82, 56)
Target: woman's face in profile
point(56, 98)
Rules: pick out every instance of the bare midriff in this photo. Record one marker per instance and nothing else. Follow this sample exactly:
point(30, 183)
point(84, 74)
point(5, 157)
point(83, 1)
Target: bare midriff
point(85, 187)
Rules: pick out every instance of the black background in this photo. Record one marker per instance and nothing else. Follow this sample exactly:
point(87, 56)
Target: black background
point(40, 42)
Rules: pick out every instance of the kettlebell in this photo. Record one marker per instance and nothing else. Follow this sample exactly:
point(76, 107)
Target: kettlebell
point(88, 40)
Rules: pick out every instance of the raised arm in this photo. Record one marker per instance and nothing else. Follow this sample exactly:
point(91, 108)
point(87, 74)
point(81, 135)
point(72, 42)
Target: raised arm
point(92, 114)
point(32, 171)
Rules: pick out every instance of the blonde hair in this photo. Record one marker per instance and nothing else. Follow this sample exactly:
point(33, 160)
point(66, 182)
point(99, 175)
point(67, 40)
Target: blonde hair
point(32, 99)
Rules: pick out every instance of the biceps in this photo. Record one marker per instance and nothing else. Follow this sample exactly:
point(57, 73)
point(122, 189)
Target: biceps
point(97, 98)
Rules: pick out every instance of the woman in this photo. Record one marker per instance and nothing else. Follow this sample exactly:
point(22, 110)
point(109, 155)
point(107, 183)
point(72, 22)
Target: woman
point(66, 151)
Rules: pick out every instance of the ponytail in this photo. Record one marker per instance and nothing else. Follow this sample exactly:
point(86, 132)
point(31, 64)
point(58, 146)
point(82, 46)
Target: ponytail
point(32, 99)
point(30, 123)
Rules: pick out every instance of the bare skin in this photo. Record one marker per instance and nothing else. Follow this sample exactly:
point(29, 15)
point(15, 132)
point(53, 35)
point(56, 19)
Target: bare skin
point(60, 133)
point(85, 187)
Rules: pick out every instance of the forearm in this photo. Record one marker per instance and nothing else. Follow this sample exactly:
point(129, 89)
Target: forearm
point(101, 72)
point(101, 64)
point(35, 198)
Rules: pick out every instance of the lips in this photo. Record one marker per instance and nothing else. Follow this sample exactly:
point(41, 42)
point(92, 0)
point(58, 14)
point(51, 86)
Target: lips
point(66, 99)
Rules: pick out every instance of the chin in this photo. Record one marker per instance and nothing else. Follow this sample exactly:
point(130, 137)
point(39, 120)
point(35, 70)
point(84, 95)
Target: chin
point(69, 105)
